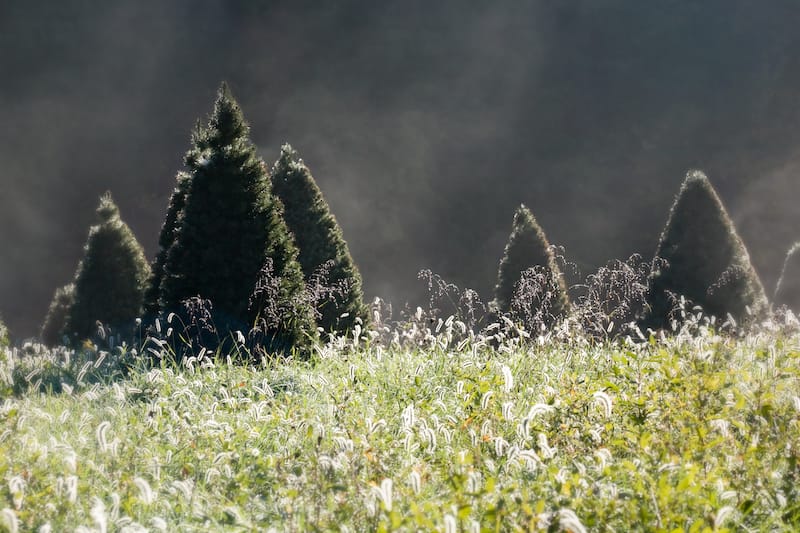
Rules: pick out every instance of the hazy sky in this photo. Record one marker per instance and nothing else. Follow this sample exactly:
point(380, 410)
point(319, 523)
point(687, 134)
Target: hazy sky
point(424, 123)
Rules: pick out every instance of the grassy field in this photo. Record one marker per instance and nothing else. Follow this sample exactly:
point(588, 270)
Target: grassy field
point(695, 432)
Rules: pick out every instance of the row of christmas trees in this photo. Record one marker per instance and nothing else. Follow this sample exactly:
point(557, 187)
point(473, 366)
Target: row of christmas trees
point(699, 257)
point(259, 247)
point(263, 248)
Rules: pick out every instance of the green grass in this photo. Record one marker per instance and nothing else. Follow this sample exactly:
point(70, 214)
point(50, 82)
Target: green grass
point(697, 432)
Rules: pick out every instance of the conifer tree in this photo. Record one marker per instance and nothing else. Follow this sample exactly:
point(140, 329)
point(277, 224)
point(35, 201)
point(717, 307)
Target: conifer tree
point(165, 240)
point(229, 228)
point(703, 259)
point(527, 249)
point(111, 277)
point(787, 291)
point(322, 250)
point(56, 319)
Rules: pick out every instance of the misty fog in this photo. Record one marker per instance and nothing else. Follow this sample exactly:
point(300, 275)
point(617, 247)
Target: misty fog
point(424, 123)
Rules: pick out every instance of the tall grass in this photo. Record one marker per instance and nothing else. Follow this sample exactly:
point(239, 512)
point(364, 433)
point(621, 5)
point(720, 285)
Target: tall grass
point(424, 424)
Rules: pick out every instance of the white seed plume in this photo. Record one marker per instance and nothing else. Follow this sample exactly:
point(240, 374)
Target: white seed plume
point(415, 481)
point(450, 524)
point(722, 515)
point(604, 401)
point(508, 379)
point(158, 523)
point(16, 486)
point(569, 521)
point(508, 411)
point(102, 435)
point(538, 409)
point(386, 494)
point(485, 399)
point(98, 514)
point(10, 520)
point(146, 493)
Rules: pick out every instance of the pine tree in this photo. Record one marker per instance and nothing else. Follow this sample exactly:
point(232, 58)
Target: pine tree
point(229, 228)
point(328, 267)
point(703, 259)
point(56, 319)
point(528, 257)
point(165, 240)
point(111, 277)
point(788, 290)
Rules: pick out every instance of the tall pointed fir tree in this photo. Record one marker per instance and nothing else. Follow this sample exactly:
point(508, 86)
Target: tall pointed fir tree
point(328, 267)
point(165, 240)
point(529, 281)
point(701, 257)
point(52, 332)
point(788, 290)
point(111, 277)
point(230, 233)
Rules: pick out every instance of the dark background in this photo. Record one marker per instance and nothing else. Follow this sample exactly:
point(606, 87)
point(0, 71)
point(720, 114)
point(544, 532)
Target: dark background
point(424, 123)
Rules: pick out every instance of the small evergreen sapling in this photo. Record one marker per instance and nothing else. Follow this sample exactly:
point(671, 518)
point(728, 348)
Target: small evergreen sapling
point(787, 291)
point(228, 228)
point(328, 267)
point(56, 319)
point(702, 258)
point(530, 285)
point(111, 277)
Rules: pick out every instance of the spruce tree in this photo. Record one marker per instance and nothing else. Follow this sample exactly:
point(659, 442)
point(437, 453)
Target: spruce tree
point(528, 251)
point(229, 228)
point(787, 291)
point(701, 257)
point(111, 277)
point(56, 319)
point(165, 240)
point(328, 267)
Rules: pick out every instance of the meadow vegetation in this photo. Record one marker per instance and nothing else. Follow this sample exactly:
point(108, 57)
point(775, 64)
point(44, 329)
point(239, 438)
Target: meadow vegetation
point(419, 424)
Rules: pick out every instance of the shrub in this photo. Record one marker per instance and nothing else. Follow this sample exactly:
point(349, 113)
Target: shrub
point(111, 277)
point(787, 291)
point(703, 259)
point(322, 251)
point(228, 229)
point(56, 319)
point(530, 285)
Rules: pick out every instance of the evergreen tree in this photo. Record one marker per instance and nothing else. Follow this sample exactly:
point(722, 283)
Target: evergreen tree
point(111, 277)
point(529, 281)
point(788, 290)
point(56, 318)
point(703, 259)
point(229, 228)
point(165, 240)
point(327, 266)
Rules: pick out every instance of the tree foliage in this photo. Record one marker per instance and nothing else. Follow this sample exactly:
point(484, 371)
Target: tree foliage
point(55, 321)
point(529, 282)
point(229, 227)
point(111, 277)
point(702, 258)
point(787, 291)
point(328, 267)
point(165, 240)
